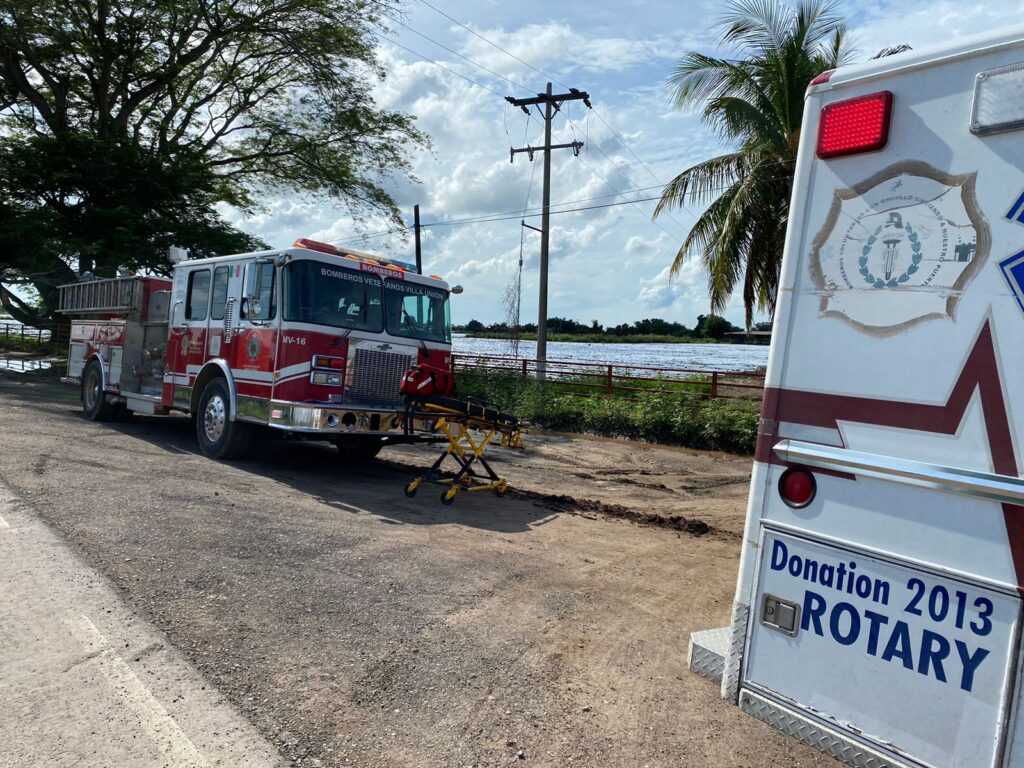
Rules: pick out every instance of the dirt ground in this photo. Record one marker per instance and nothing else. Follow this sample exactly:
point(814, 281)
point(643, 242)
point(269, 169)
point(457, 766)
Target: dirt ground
point(356, 627)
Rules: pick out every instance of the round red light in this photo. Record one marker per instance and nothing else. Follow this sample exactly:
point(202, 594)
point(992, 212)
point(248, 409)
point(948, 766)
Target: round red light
point(797, 487)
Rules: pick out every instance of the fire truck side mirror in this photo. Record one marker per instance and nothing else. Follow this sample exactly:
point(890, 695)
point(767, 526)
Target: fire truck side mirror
point(251, 284)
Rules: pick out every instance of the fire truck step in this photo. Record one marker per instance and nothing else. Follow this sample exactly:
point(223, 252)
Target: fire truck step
point(707, 652)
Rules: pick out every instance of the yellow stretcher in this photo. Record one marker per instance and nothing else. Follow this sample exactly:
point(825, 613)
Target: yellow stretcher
point(457, 419)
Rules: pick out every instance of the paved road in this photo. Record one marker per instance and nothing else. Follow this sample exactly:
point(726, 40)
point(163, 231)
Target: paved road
point(86, 682)
point(353, 626)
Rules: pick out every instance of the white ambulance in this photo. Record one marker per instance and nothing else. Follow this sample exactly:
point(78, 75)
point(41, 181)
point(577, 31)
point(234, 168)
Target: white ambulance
point(878, 605)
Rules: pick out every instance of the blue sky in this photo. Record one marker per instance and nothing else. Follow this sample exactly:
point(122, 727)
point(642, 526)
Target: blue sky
point(609, 264)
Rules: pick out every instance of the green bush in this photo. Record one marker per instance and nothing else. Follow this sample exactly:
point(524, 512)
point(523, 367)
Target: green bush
point(671, 418)
point(14, 343)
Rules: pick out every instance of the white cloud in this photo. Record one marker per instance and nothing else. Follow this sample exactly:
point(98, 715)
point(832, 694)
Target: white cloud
point(606, 263)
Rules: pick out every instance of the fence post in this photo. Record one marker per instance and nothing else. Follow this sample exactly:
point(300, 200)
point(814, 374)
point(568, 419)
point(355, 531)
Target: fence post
point(524, 368)
point(610, 385)
point(714, 385)
point(22, 332)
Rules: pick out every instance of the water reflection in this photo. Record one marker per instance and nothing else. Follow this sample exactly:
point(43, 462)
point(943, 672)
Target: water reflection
point(32, 366)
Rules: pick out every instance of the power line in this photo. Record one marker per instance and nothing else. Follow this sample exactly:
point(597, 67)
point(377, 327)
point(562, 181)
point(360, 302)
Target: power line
point(524, 212)
point(634, 202)
point(629, 181)
point(509, 216)
point(495, 45)
point(482, 220)
point(622, 141)
point(442, 66)
point(535, 212)
point(466, 58)
point(614, 132)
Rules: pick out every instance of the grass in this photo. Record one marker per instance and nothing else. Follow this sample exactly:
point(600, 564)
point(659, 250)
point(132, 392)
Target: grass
point(14, 343)
point(670, 418)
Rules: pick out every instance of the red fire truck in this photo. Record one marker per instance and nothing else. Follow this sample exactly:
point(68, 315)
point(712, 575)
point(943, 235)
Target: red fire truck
point(312, 341)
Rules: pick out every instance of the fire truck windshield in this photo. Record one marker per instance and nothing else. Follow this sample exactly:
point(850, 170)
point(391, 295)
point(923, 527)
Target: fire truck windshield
point(323, 294)
point(417, 311)
point(319, 293)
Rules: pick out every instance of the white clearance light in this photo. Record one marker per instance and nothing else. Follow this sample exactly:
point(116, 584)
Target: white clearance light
point(998, 100)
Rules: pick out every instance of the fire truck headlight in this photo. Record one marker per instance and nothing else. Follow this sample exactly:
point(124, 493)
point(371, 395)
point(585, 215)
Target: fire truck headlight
point(326, 379)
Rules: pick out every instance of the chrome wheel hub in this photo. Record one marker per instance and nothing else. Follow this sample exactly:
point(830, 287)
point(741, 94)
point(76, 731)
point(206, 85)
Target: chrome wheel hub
point(215, 418)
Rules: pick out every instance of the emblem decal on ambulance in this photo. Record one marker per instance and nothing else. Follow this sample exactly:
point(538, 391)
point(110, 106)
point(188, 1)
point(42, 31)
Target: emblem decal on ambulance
point(899, 248)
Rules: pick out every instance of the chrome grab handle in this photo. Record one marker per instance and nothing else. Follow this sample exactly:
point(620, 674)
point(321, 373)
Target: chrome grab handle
point(174, 308)
point(966, 482)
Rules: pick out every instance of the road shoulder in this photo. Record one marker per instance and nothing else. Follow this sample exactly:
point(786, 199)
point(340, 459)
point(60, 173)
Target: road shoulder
point(86, 681)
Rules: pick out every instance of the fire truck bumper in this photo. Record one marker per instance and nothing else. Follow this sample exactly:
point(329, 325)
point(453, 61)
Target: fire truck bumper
point(330, 419)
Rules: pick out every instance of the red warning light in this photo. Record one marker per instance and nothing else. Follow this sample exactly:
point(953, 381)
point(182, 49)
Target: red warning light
point(855, 125)
point(797, 487)
point(315, 245)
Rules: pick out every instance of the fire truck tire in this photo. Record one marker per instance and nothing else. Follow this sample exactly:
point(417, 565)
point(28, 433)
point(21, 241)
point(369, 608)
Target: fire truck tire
point(94, 402)
point(219, 436)
point(358, 449)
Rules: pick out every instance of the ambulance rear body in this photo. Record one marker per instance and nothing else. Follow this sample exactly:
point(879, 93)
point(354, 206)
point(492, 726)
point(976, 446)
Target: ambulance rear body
point(878, 605)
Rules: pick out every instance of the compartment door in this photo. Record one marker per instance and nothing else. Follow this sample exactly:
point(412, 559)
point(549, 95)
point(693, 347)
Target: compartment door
point(910, 660)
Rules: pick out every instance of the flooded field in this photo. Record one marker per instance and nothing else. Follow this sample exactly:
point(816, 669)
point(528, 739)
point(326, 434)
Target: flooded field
point(698, 357)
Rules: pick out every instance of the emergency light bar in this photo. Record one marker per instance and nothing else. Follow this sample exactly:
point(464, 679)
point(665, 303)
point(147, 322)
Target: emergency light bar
point(351, 253)
point(998, 100)
point(855, 125)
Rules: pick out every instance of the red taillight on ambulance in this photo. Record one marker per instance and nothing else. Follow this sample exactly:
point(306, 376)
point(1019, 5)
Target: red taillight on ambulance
point(797, 487)
point(855, 125)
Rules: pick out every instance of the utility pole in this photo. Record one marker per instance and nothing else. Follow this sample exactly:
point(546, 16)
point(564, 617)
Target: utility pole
point(552, 103)
point(416, 227)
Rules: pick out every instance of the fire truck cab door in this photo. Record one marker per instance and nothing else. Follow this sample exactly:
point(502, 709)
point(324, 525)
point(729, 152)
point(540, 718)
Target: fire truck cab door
point(252, 353)
point(187, 339)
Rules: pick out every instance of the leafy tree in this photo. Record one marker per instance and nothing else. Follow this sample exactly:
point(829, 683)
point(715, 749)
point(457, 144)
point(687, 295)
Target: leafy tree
point(713, 327)
point(754, 98)
point(126, 123)
point(474, 326)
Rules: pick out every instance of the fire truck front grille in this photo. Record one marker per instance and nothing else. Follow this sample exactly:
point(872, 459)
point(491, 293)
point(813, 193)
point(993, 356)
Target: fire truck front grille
point(378, 375)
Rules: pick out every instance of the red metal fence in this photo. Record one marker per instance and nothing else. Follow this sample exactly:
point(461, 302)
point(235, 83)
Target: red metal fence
point(612, 378)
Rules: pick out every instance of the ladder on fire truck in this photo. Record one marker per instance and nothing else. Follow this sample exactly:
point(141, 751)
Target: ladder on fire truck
point(95, 297)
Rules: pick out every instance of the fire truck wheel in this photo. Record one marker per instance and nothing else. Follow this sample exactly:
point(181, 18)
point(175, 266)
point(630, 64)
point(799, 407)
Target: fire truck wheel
point(94, 402)
point(219, 436)
point(357, 449)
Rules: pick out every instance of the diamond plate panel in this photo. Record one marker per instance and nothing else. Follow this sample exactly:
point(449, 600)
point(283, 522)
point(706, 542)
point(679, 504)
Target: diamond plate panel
point(707, 652)
point(816, 735)
point(734, 653)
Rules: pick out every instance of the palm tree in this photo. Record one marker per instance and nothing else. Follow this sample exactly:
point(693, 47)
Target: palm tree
point(755, 101)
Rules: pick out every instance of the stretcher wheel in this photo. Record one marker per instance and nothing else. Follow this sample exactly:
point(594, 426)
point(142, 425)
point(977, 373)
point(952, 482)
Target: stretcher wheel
point(448, 496)
point(500, 488)
point(411, 488)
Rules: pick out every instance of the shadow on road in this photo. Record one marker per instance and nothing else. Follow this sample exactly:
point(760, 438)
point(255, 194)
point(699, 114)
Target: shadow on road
point(372, 488)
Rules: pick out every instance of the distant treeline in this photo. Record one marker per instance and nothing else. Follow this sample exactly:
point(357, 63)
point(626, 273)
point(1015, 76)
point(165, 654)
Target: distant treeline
point(707, 327)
